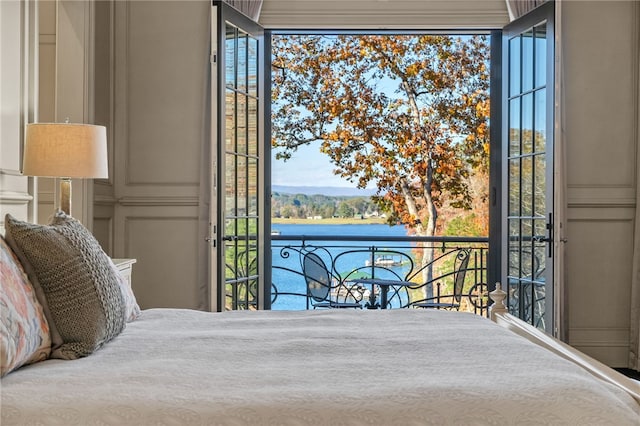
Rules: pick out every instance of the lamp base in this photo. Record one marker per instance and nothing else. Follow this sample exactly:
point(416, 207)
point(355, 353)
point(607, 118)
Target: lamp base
point(65, 195)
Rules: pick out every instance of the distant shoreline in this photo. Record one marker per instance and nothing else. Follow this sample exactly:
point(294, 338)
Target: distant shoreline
point(331, 191)
point(328, 221)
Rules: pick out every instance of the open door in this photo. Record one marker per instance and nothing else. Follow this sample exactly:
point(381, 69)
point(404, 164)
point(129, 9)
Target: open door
point(527, 167)
point(237, 147)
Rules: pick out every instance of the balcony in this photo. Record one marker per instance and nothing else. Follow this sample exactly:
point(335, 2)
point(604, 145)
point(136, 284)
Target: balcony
point(433, 265)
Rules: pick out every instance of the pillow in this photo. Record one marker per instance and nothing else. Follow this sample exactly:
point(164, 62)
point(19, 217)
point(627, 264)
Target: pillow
point(81, 289)
point(24, 330)
point(132, 309)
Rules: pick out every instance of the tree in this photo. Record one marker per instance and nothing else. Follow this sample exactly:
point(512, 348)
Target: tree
point(345, 210)
point(288, 211)
point(359, 205)
point(328, 211)
point(408, 113)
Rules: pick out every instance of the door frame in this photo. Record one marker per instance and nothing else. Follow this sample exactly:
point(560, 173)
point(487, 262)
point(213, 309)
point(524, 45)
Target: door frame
point(496, 262)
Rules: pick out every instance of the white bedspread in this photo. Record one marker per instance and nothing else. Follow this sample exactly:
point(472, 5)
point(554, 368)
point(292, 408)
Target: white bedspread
point(337, 367)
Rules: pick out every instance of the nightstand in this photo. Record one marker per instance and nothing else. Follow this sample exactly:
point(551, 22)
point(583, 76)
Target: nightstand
point(125, 266)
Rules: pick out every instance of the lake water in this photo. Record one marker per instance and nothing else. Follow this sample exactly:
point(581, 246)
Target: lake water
point(351, 229)
point(287, 281)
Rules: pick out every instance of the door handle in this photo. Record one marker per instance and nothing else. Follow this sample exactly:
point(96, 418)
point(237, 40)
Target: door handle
point(548, 238)
point(211, 241)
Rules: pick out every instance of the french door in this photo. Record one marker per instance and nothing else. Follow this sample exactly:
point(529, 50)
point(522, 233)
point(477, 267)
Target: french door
point(236, 243)
point(528, 164)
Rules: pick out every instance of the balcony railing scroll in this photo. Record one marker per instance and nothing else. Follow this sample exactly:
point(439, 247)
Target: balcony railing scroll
point(433, 264)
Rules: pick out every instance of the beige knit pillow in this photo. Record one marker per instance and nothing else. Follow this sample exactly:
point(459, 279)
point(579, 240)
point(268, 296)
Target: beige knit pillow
point(81, 289)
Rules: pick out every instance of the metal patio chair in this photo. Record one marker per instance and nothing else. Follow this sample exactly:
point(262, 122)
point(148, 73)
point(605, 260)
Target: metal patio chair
point(322, 288)
point(460, 273)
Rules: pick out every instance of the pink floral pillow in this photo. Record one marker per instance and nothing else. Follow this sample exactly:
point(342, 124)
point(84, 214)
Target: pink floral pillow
point(24, 331)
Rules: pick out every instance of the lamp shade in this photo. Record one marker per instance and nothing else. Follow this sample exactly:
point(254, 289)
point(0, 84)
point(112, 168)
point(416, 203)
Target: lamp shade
point(65, 150)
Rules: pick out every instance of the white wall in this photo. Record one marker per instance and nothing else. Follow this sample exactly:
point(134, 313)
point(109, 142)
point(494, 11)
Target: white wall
point(601, 44)
point(18, 101)
point(46, 96)
point(103, 111)
point(160, 69)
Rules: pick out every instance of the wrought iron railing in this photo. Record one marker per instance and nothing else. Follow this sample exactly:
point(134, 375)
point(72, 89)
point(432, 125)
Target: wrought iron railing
point(432, 265)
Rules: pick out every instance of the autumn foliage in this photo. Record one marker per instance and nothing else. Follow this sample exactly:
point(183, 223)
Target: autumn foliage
point(407, 113)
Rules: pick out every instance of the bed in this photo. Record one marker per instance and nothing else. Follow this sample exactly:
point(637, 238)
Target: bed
point(335, 366)
point(349, 367)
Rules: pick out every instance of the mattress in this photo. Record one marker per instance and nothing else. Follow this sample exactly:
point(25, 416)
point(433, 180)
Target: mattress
point(338, 367)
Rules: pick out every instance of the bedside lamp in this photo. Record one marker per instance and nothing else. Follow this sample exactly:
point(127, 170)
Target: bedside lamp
point(65, 151)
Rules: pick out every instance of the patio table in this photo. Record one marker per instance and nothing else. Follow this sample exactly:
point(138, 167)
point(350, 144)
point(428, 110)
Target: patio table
point(384, 290)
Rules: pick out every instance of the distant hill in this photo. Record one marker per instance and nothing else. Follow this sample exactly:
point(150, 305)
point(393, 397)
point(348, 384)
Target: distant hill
point(323, 190)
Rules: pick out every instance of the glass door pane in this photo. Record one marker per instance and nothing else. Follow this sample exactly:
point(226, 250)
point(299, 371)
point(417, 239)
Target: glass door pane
point(239, 52)
point(528, 150)
point(240, 239)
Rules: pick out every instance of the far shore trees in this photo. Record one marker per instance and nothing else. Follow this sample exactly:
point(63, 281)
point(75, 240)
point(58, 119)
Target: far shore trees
point(407, 113)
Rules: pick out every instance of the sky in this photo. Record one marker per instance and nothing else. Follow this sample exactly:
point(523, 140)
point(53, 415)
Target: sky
point(307, 167)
